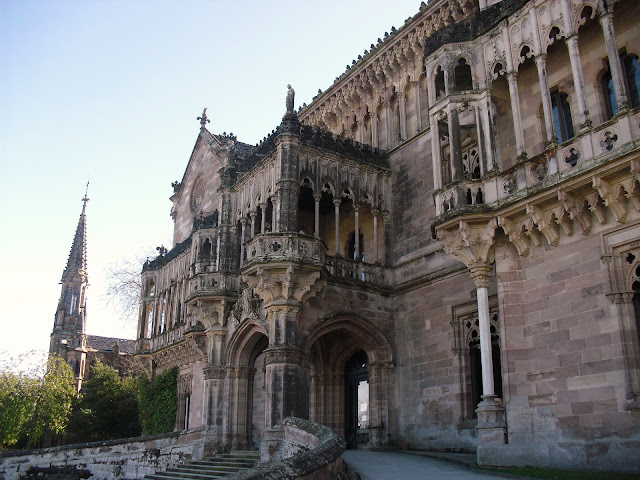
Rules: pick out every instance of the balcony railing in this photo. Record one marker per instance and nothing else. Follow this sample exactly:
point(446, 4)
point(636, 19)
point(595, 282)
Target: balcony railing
point(278, 247)
point(358, 271)
point(568, 159)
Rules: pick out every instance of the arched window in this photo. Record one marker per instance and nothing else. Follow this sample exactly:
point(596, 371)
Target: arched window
point(562, 116)
point(462, 75)
point(609, 94)
point(632, 76)
point(206, 249)
point(631, 73)
point(439, 80)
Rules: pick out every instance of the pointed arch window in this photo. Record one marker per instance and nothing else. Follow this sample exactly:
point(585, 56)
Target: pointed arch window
point(462, 74)
point(631, 77)
point(562, 116)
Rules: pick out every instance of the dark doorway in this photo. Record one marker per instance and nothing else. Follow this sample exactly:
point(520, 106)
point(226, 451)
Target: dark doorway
point(357, 400)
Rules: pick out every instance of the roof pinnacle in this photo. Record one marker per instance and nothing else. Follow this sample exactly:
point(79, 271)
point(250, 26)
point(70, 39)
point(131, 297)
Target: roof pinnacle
point(203, 119)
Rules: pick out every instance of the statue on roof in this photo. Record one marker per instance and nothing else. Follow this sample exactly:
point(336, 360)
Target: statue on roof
point(290, 97)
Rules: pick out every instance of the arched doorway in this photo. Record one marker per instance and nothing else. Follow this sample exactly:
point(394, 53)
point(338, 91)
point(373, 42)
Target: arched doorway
point(356, 406)
point(246, 399)
point(351, 366)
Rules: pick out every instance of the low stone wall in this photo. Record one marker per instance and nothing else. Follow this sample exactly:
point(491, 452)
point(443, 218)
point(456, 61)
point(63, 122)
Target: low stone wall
point(129, 458)
point(308, 451)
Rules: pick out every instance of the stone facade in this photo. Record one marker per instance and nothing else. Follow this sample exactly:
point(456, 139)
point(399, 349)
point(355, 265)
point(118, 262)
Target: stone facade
point(455, 221)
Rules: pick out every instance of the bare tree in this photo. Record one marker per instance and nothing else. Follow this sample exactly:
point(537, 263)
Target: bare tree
point(124, 284)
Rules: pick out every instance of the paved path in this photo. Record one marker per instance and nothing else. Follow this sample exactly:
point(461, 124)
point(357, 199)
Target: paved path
point(405, 466)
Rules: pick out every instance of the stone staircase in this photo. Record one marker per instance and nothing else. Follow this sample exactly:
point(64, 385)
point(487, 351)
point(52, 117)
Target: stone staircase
point(210, 468)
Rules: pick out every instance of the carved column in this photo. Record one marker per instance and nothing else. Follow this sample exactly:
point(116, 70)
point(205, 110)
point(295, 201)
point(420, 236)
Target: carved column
point(512, 81)
point(387, 236)
point(214, 380)
point(356, 210)
point(375, 212)
point(457, 172)
point(274, 225)
point(418, 95)
point(436, 152)
point(243, 224)
point(316, 218)
point(471, 241)
point(629, 334)
point(402, 103)
point(547, 108)
point(606, 22)
point(263, 209)
point(379, 404)
point(374, 130)
point(336, 203)
point(578, 79)
point(252, 216)
point(387, 124)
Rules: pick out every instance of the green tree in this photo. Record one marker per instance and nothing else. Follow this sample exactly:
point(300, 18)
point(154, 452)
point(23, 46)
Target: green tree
point(36, 398)
point(158, 401)
point(108, 406)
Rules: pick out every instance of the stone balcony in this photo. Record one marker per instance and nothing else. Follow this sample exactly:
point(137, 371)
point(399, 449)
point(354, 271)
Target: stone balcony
point(204, 285)
point(566, 161)
point(285, 247)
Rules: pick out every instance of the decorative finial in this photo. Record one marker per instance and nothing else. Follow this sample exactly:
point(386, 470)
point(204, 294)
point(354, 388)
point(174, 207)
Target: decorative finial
point(290, 99)
point(85, 199)
point(162, 250)
point(203, 119)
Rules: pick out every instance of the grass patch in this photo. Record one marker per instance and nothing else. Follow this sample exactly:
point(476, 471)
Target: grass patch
point(548, 474)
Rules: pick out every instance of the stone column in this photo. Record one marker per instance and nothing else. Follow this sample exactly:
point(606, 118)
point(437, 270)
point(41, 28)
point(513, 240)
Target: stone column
point(336, 203)
point(214, 380)
point(379, 404)
point(606, 22)
point(491, 423)
point(386, 225)
point(512, 81)
point(356, 210)
point(387, 123)
point(243, 224)
point(374, 130)
point(252, 216)
point(316, 218)
point(418, 95)
point(403, 115)
point(263, 209)
point(237, 394)
point(375, 211)
point(547, 108)
point(273, 216)
point(436, 152)
point(578, 79)
point(218, 253)
point(457, 171)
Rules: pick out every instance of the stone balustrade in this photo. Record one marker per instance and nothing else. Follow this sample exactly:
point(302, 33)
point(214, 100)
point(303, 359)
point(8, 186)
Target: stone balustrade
point(358, 271)
point(279, 247)
point(211, 284)
point(580, 153)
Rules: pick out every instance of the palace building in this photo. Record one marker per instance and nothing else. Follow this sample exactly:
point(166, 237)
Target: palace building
point(441, 251)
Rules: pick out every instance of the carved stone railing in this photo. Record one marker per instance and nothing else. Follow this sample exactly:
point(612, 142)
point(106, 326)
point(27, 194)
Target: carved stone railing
point(358, 271)
point(585, 150)
point(204, 285)
point(280, 247)
point(299, 449)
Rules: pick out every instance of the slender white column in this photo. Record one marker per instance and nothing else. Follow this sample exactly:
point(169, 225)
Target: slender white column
point(336, 203)
point(606, 22)
point(578, 78)
point(374, 130)
point(547, 109)
point(512, 80)
point(356, 209)
point(375, 234)
point(316, 222)
point(480, 274)
point(252, 215)
point(273, 215)
point(243, 222)
point(263, 209)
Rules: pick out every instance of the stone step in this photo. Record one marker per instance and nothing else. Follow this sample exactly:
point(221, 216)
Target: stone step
point(218, 466)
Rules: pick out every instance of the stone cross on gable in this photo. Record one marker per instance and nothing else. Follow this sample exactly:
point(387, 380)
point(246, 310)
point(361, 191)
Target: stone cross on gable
point(203, 119)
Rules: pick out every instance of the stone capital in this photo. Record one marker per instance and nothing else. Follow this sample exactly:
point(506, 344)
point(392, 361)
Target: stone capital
point(470, 240)
point(282, 283)
point(480, 273)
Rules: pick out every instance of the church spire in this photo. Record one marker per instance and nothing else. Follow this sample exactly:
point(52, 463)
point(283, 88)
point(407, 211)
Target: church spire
point(77, 262)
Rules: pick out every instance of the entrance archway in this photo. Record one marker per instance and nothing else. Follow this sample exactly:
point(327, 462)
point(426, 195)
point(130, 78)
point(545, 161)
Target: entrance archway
point(245, 424)
point(348, 352)
point(356, 406)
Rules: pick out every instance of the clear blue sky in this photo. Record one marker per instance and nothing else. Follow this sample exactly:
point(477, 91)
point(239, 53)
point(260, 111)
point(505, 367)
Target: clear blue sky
point(115, 87)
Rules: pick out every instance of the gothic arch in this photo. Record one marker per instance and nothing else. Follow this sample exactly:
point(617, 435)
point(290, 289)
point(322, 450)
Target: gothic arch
point(243, 342)
point(369, 337)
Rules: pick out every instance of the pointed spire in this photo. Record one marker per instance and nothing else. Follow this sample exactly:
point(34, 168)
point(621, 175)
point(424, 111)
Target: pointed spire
point(77, 262)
